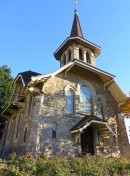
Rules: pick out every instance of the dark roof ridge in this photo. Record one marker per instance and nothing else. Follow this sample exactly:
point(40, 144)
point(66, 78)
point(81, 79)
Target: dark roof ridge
point(28, 71)
point(26, 76)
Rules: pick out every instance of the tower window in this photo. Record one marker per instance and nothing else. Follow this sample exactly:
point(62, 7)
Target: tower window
point(70, 102)
point(69, 56)
point(85, 100)
point(80, 54)
point(64, 60)
point(88, 58)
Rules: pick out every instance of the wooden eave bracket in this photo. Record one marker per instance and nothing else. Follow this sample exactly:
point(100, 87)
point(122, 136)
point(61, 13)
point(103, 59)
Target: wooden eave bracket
point(35, 90)
point(19, 104)
point(108, 83)
point(68, 69)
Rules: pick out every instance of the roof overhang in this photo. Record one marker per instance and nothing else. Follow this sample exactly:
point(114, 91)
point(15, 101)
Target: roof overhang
point(78, 40)
point(37, 79)
point(106, 78)
point(117, 92)
point(19, 77)
point(11, 108)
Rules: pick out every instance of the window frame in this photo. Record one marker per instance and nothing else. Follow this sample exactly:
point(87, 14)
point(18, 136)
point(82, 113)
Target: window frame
point(71, 112)
point(83, 99)
point(54, 130)
point(88, 57)
point(80, 54)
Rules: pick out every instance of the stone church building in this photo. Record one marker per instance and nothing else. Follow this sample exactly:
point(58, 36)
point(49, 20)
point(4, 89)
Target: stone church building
point(70, 112)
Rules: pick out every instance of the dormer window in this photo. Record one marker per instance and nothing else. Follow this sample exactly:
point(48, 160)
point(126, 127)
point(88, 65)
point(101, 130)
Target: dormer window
point(69, 56)
point(80, 54)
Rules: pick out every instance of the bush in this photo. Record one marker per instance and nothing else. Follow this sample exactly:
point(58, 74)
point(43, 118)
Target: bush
point(61, 166)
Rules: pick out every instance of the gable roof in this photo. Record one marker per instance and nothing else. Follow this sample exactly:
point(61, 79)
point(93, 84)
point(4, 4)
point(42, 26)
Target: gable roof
point(91, 120)
point(26, 76)
point(85, 120)
point(107, 78)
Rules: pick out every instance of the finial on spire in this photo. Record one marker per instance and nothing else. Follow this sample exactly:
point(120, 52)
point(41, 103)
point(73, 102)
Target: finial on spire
point(76, 3)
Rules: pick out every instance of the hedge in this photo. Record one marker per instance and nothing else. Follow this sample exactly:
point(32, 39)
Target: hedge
point(62, 166)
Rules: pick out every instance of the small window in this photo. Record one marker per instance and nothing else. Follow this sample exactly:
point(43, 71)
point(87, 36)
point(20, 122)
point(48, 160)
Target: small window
point(54, 129)
point(80, 54)
point(25, 134)
point(88, 58)
point(99, 108)
point(69, 56)
point(85, 100)
point(70, 102)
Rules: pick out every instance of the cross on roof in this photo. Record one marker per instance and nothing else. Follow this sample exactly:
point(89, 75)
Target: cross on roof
point(76, 3)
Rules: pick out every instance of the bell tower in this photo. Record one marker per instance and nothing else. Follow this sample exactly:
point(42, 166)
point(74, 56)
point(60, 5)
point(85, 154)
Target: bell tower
point(76, 47)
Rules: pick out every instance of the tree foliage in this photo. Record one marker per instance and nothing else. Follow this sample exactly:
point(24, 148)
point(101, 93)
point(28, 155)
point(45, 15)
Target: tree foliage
point(6, 88)
point(125, 108)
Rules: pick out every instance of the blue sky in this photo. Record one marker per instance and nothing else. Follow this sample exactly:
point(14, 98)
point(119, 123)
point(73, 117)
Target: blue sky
point(31, 30)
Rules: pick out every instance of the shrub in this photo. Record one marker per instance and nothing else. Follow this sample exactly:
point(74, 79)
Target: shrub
point(61, 166)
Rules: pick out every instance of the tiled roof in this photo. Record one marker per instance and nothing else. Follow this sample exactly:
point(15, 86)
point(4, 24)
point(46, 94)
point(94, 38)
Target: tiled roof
point(27, 76)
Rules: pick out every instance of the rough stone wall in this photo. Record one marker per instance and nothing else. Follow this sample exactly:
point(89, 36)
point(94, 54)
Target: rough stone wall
point(13, 143)
point(2, 141)
point(16, 144)
point(52, 110)
point(124, 145)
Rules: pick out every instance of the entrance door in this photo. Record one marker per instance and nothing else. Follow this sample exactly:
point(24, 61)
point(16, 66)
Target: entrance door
point(87, 143)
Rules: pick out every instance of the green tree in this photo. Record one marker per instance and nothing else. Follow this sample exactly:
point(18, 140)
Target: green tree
point(6, 88)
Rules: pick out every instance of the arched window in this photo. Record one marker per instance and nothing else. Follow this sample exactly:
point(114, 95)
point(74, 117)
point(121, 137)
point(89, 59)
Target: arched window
point(80, 54)
point(85, 99)
point(88, 58)
point(69, 56)
point(99, 108)
point(70, 102)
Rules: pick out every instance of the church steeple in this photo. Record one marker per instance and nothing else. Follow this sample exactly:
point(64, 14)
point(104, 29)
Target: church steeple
point(75, 47)
point(76, 30)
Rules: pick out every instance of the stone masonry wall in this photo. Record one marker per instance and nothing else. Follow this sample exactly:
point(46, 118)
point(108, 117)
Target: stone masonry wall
point(53, 109)
point(123, 139)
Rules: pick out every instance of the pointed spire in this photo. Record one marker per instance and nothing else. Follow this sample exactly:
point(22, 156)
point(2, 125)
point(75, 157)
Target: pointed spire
point(76, 30)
